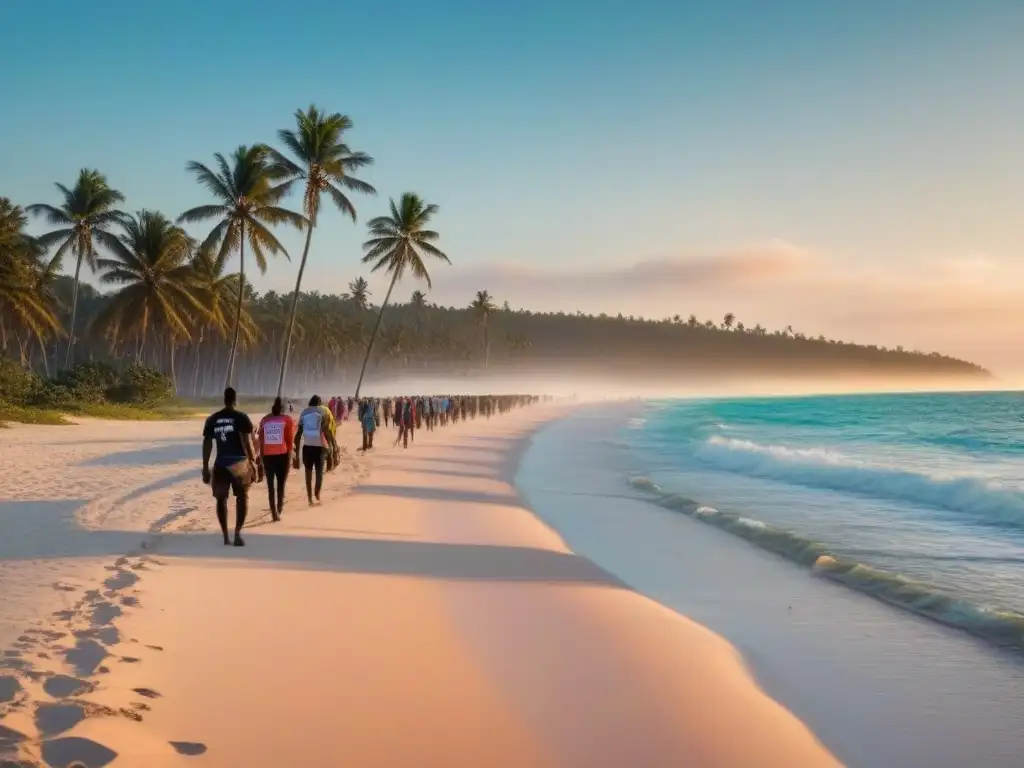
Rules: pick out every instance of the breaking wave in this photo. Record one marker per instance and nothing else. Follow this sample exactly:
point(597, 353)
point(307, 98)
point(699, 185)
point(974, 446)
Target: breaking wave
point(1001, 627)
point(982, 500)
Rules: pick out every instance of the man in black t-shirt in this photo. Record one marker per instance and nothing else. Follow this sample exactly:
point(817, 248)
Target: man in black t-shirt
point(235, 467)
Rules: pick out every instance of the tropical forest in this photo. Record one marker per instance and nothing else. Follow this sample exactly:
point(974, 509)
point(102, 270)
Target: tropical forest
point(98, 298)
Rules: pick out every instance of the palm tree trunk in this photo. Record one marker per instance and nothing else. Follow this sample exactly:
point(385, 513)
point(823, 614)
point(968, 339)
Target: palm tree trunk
point(373, 336)
point(74, 312)
point(170, 360)
point(487, 345)
point(291, 316)
point(238, 307)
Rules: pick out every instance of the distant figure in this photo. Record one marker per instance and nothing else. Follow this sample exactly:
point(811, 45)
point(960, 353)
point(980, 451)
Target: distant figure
point(276, 439)
point(235, 467)
point(369, 425)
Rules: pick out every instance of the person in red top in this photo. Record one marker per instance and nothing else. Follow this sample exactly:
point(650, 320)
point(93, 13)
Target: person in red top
point(276, 439)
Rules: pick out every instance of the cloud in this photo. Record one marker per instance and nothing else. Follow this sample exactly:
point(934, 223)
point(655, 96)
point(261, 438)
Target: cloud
point(748, 266)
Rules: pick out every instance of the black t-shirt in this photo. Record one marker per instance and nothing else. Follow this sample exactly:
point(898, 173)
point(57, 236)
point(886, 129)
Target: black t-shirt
point(226, 428)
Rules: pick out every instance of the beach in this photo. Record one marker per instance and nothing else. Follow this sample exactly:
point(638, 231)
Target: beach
point(422, 615)
point(878, 684)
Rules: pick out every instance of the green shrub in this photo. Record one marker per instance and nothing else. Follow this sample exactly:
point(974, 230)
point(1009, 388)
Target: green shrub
point(141, 385)
point(54, 395)
point(90, 382)
point(17, 385)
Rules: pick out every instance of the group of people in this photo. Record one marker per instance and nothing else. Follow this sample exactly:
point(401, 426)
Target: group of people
point(246, 455)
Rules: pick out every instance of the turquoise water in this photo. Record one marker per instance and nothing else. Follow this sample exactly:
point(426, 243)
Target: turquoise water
point(917, 499)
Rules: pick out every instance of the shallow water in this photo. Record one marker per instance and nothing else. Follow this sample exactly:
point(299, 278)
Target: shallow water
point(918, 499)
point(879, 685)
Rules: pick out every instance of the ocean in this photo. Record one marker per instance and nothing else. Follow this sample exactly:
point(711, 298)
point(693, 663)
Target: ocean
point(917, 499)
point(842, 545)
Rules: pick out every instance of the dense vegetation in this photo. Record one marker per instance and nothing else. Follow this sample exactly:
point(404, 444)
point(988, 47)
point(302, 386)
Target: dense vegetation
point(171, 301)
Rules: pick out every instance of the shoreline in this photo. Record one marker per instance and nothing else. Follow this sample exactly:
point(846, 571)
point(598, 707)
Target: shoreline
point(425, 600)
point(794, 629)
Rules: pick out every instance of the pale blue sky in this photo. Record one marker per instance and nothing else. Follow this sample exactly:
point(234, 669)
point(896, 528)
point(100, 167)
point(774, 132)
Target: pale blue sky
point(878, 136)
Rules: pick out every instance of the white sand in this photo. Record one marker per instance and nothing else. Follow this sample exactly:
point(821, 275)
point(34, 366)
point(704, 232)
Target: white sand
point(423, 617)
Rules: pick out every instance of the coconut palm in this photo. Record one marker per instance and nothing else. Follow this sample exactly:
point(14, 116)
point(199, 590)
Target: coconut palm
point(247, 205)
point(88, 209)
point(398, 244)
point(482, 307)
point(150, 262)
point(321, 159)
point(418, 299)
point(217, 290)
point(728, 320)
point(359, 293)
point(26, 302)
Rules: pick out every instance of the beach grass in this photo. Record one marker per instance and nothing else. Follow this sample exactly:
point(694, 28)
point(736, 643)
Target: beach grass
point(23, 414)
point(27, 414)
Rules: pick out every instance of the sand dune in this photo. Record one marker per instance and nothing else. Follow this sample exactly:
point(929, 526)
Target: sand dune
point(422, 616)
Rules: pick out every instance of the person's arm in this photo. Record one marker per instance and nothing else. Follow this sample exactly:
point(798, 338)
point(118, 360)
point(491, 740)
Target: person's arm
point(249, 443)
point(289, 435)
point(298, 444)
point(207, 450)
point(325, 430)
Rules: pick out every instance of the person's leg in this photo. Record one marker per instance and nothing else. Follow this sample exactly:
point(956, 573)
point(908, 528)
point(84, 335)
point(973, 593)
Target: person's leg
point(221, 488)
point(371, 438)
point(307, 466)
point(241, 512)
point(270, 473)
point(282, 478)
point(320, 472)
point(222, 517)
point(241, 479)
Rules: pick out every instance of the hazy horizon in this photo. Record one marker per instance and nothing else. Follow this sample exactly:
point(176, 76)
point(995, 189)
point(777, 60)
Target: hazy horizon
point(849, 171)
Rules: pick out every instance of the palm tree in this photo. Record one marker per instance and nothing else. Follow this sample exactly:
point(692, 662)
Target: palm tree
point(728, 320)
point(217, 290)
point(26, 302)
point(247, 204)
point(89, 208)
point(150, 261)
point(398, 244)
point(321, 158)
point(482, 307)
point(418, 299)
point(359, 293)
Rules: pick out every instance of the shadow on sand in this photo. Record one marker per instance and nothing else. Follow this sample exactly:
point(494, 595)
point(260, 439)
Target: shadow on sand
point(435, 494)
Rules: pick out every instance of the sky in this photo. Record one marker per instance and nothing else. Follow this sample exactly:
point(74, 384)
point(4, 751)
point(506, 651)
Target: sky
point(851, 169)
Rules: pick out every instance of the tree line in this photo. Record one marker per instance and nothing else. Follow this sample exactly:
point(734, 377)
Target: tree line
point(187, 307)
point(170, 291)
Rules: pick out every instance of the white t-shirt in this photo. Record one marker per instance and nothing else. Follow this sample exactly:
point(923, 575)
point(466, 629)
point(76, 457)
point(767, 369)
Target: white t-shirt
point(312, 420)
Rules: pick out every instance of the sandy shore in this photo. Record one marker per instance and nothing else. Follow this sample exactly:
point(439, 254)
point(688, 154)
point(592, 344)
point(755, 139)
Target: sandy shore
point(422, 616)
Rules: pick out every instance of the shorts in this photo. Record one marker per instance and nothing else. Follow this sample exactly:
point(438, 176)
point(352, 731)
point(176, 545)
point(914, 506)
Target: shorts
point(234, 478)
point(313, 455)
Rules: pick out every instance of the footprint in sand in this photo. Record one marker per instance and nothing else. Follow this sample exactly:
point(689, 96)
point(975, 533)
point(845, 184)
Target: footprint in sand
point(9, 741)
point(63, 686)
point(190, 748)
point(121, 580)
point(86, 657)
point(72, 750)
point(54, 719)
point(9, 688)
point(149, 693)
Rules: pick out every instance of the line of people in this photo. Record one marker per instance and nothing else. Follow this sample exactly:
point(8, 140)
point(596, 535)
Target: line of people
point(246, 455)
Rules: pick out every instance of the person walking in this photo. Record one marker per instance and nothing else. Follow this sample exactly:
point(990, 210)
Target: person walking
point(315, 437)
point(234, 469)
point(276, 439)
